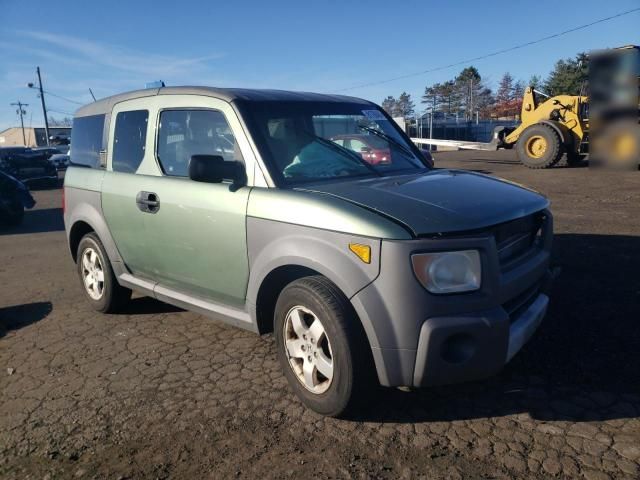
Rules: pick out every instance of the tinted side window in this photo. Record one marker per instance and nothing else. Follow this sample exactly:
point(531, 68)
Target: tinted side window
point(184, 133)
point(86, 138)
point(129, 140)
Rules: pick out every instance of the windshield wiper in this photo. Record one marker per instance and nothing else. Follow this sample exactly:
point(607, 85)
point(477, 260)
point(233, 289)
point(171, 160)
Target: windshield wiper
point(389, 139)
point(344, 151)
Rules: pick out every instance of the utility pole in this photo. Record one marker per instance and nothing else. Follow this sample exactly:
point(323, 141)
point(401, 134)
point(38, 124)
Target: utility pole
point(470, 112)
point(44, 107)
point(22, 112)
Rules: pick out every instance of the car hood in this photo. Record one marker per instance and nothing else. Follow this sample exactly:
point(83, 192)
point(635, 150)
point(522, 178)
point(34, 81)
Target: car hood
point(439, 201)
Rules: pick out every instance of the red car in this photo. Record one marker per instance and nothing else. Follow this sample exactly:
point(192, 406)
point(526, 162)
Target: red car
point(372, 149)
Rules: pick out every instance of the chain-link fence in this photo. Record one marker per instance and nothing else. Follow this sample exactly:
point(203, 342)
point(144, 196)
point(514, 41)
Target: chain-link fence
point(452, 129)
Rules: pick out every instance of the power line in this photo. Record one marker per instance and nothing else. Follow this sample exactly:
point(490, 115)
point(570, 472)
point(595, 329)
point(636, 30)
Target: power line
point(59, 111)
point(492, 54)
point(63, 98)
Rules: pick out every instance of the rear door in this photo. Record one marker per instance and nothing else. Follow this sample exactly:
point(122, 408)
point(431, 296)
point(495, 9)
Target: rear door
point(128, 145)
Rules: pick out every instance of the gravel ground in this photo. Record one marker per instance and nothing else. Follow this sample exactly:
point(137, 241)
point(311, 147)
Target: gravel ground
point(157, 392)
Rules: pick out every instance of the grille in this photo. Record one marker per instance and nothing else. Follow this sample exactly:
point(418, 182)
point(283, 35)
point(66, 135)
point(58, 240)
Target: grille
point(518, 238)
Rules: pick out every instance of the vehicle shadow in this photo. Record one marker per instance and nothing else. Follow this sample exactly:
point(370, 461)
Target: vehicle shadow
point(581, 365)
point(37, 221)
point(41, 185)
point(19, 316)
point(562, 164)
point(147, 306)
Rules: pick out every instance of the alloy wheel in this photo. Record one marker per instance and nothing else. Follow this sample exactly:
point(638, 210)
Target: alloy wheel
point(308, 349)
point(92, 273)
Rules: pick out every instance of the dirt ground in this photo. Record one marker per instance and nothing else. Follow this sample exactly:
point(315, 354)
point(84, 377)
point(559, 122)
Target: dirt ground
point(157, 392)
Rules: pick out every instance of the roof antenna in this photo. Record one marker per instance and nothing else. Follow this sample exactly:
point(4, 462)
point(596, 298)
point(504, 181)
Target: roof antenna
point(94, 97)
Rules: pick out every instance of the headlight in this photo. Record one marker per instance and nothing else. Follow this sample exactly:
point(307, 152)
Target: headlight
point(448, 272)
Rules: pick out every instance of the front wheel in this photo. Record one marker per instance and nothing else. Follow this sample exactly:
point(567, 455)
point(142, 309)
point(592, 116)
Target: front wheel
point(539, 146)
point(96, 275)
point(321, 346)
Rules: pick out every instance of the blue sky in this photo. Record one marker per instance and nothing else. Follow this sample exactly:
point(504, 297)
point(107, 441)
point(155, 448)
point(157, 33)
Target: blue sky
point(114, 46)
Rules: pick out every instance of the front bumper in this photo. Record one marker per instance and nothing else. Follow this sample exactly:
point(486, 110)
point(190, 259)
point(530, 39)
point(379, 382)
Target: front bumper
point(460, 349)
point(420, 339)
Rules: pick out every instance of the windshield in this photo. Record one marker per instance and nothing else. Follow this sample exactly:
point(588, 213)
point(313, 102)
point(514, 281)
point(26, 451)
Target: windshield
point(305, 142)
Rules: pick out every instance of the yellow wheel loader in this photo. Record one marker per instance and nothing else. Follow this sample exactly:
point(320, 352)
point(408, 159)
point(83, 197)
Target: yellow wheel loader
point(554, 126)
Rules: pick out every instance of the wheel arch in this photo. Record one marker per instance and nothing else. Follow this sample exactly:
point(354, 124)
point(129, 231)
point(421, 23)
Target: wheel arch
point(563, 132)
point(270, 288)
point(78, 230)
point(86, 218)
point(265, 287)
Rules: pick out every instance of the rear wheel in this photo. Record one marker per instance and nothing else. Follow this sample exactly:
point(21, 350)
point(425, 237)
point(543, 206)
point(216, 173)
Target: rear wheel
point(321, 346)
point(96, 275)
point(539, 146)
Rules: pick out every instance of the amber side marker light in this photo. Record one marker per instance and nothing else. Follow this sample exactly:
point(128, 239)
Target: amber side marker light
point(362, 251)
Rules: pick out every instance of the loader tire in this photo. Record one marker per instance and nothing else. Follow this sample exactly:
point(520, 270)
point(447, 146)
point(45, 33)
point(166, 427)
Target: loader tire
point(539, 146)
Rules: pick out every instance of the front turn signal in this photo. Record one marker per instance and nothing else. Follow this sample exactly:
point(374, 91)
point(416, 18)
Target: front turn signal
point(362, 251)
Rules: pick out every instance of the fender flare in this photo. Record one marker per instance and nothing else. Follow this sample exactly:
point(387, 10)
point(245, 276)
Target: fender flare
point(281, 245)
point(563, 132)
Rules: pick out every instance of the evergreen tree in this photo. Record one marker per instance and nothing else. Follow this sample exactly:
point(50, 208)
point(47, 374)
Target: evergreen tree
point(567, 76)
point(442, 97)
point(535, 82)
point(508, 101)
point(474, 95)
point(404, 106)
point(389, 105)
point(504, 95)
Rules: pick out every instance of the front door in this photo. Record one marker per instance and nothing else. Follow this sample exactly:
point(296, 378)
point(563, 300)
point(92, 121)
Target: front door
point(197, 231)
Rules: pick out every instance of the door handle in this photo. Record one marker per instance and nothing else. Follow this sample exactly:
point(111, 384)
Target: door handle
point(148, 202)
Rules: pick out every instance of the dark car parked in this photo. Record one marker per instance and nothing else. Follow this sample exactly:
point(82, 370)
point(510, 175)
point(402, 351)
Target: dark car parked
point(60, 160)
point(48, 151)
point(28, 165)
point(14, 198)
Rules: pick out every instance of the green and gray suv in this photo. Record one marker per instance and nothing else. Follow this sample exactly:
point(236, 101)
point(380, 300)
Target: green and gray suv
point(272, 211)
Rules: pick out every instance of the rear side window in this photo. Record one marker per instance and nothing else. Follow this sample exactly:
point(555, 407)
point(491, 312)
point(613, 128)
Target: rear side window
point(86, 138)
point(129, 140)
point(184, 133)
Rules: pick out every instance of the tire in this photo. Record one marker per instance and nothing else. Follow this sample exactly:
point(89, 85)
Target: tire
point(105, 296)
point(539, 146)
point(342, 341)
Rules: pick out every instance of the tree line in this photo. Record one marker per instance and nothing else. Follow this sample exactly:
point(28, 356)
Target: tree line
point(60, 122)
point(467, 95)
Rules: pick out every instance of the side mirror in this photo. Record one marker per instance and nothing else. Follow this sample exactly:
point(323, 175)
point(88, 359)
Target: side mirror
point(214, 169)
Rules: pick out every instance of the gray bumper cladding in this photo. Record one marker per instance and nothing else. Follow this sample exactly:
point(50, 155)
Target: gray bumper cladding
point(525, 326)
point(464, 348)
